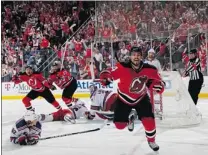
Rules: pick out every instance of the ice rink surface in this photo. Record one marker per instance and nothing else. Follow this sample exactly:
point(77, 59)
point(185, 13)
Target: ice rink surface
point(107, 141)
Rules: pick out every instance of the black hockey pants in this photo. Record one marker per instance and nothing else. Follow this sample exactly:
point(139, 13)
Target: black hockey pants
point(194, 88)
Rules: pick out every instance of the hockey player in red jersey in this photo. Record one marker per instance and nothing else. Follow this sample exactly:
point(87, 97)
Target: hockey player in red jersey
point(39, 85)
point(135, 78)
point(63, 79)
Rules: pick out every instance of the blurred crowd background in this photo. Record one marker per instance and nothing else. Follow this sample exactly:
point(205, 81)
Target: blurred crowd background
point(89, 34)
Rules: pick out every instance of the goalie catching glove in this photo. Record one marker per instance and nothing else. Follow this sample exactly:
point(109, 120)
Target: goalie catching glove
point(157, 86)
point(105, 78)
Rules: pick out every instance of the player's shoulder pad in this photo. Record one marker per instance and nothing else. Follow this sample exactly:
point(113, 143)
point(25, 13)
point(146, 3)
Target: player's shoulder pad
point(38, 125)
point(123, 64)
point(54, 73)
point(36, 72)
point(20, 123)
point(64, 70)
point(146, 65)
point(22, 73)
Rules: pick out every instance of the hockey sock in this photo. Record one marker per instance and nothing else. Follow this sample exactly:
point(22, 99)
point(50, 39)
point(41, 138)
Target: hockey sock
point(120, 125)
point(68, 101)
point(26, 101)
point(57, 116)
point(56, 105)
point(150, 129)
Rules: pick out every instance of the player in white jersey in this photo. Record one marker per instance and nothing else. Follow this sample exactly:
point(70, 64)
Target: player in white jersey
point(152, 60)
point(26, 130)
point(102, 103)
point(76, 111)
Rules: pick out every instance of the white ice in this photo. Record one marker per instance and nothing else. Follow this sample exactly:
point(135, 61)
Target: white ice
point(108, 141)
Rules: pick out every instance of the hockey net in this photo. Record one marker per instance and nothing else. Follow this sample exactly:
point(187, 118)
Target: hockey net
point(175, 108)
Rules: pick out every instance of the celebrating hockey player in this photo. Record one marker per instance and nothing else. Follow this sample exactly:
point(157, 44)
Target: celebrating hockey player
point(193, 70)
point(65, 81)
point(102, 101)
point(76, 111)
point(26, 130)
point(135, 77)
point(39, 85)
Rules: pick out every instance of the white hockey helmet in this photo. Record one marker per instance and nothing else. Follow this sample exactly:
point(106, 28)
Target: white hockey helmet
point(30, 116)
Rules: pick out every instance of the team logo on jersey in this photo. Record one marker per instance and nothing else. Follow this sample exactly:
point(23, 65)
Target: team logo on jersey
point(32, 82)
point(138, 84)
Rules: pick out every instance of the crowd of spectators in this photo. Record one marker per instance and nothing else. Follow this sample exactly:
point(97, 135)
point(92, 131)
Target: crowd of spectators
point(114, 27)
point(120, 25)
point(31, 30)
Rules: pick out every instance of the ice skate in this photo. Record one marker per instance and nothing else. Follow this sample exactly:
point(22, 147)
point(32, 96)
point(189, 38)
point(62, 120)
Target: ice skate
point(69, 117)
point(153, 146)
point(132, 117)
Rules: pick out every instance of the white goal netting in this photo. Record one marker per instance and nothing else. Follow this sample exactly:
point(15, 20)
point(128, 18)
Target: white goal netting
point(177, 109)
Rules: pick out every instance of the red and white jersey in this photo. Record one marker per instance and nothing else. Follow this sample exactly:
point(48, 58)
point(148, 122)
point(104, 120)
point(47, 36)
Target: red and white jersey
point(132, 85)
point(61, 78)
point(102, 99)
point(36, 81)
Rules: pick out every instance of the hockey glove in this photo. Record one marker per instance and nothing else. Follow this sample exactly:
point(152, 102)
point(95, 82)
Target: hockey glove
point(22, 140)
point(88, 115)
point(32, 140)
point(157, 86)
point(105, 78)
point(15, 79)
point(53, 87)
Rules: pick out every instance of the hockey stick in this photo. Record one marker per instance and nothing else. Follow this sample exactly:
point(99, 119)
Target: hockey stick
point(76, 133)
point(152, 100)
point(92, 64)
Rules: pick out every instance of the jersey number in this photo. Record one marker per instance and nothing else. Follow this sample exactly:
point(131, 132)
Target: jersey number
point(13, 131)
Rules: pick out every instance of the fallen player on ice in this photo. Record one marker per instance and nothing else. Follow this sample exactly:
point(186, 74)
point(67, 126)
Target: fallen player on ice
point(26, 130)
point(102, 106)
